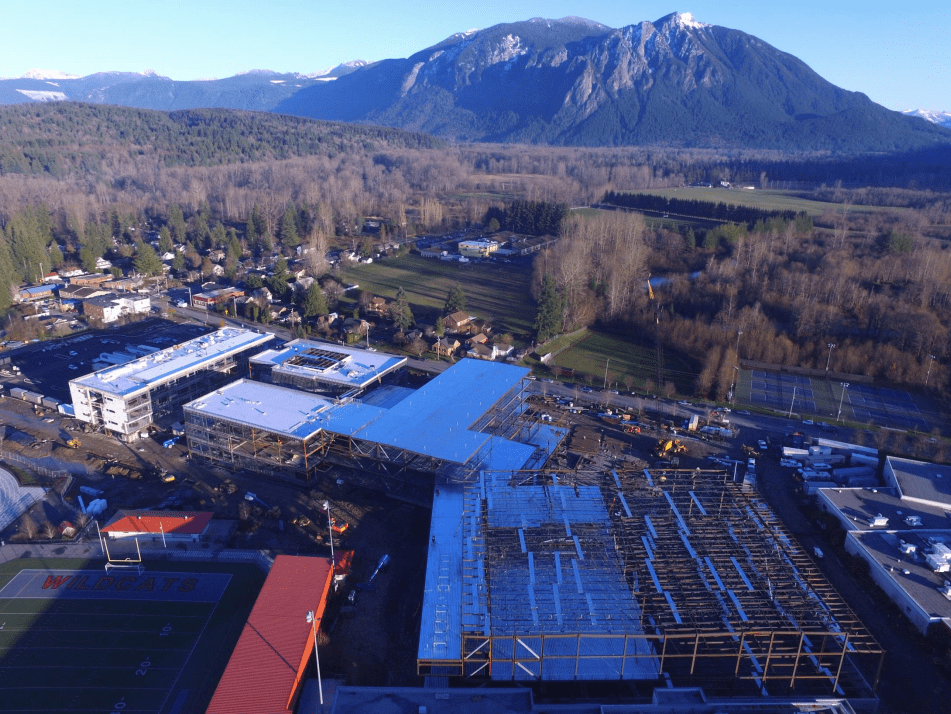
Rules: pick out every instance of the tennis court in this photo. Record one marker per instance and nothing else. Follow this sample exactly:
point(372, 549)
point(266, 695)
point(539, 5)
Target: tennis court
point(76, 640)
point(863, 403)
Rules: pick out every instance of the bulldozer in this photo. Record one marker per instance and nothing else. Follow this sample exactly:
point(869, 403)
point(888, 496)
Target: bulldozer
point(669, 447)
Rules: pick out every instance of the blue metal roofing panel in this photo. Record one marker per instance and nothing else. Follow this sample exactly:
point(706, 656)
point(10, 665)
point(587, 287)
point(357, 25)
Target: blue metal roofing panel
point(435, 420)
point(440, 630)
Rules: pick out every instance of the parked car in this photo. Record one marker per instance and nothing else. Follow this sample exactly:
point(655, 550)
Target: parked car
point(762, 445)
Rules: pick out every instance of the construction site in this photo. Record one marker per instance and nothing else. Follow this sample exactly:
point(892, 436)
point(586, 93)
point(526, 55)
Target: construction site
point(648, 577)
point(395, 439)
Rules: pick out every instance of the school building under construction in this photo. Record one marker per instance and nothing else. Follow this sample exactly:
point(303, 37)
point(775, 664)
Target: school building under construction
point(663, 578)
point(399, 439)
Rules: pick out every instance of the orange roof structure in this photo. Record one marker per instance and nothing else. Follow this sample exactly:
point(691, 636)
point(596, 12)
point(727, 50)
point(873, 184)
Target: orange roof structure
point(157, 522)
point(266, 669)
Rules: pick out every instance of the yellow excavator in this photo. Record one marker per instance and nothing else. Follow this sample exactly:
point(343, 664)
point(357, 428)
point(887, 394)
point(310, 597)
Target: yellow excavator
point(669, 447)
point(74, 443)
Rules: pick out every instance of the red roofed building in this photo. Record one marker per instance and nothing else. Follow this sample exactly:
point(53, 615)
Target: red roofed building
point(266, 670)
point(176, 526)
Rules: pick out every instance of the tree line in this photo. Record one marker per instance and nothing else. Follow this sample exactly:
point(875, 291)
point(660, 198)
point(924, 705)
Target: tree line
point(720, 211)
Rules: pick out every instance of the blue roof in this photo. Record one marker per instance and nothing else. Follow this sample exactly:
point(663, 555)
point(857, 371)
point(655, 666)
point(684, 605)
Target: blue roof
point(38, 289)
point(435, 420)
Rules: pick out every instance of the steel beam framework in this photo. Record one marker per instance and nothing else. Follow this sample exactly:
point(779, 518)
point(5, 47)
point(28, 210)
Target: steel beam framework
point(727, 599)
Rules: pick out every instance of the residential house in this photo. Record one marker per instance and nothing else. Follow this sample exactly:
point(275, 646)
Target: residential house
point(457, 321)
point(446, 346)
point(378, 306)
point(354, 328)
point(480, 351)
point(479, 339)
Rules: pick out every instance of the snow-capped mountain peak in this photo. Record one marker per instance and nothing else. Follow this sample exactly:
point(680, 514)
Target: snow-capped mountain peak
point(685, 19)
point(935, 117)
point(47, 74)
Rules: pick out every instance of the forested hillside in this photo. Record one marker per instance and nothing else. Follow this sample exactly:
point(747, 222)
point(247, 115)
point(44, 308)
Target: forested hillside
point(870, 273)
point(62, 139)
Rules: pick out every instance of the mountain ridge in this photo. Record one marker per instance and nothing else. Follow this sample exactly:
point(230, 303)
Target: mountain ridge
point(675, 82)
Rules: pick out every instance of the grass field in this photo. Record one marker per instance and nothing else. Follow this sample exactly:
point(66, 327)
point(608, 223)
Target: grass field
point(589, 356)
point(496, 292)
point(74, 638)
point(767, 200)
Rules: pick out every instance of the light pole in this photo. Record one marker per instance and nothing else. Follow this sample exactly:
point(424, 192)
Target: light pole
point(844, 385)
point(736, 371)
point(312, 619)
point(829, 358)
point(738, 333)
point(606, 373)
point(330, 532)
point(930, 365)
point(189, 295)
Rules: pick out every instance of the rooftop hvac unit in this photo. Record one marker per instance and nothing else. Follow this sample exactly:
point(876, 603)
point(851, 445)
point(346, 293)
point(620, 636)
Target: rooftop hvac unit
point(907, 548)
point(945, 589)
point(913, 520)
point(878, 521)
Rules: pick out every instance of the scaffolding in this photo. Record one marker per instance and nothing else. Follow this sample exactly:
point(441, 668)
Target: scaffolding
point(680, 574)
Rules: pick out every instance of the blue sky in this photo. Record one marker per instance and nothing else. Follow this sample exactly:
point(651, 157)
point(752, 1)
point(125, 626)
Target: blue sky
point(900, 56)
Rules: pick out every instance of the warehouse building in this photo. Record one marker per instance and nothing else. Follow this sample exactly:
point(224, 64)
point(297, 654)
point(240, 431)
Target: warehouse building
point(670, 578)
point(903, 532)
point(125, 399)
point(400, 439)
point(329, 369)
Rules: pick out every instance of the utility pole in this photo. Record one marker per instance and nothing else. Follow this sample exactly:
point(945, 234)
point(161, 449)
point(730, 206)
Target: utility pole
point(606, 373)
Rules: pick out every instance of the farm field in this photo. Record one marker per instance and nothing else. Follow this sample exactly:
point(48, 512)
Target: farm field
point(75, 638)
point(498, 292)
point(769, 200)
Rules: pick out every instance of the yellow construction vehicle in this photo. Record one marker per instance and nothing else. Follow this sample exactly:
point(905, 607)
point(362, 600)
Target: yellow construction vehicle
point(74, 443)
point(666, 447)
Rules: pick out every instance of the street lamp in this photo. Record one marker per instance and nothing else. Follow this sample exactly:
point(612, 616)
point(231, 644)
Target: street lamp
point(738, 333)
point(736, 371)
point(312, 619)
point(844, 385)
point(829, 358)
point(330, 531)
point(930, 365)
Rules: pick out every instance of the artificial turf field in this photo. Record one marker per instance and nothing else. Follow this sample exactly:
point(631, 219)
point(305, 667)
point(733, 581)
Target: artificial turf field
point(74, 638)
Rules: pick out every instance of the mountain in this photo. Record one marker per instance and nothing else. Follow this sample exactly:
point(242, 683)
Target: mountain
point(939, 118)
point(673, 82)
point(257, 90)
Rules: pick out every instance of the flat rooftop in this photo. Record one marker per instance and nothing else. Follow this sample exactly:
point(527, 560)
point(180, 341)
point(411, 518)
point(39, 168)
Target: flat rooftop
point(282, 410)
point(163, 366)
point(860, 504)
point(434, 420)
point(330, 363)
point(921, 481)
point(921, 583)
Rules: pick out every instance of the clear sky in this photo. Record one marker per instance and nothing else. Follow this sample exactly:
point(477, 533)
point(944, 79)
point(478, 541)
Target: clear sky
point(899, 55)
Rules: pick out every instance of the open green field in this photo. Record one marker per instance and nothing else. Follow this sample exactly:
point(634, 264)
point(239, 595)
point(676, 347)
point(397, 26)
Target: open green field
point(74, 638)
point(628, 358)
point(768, 200)
point(496, 292)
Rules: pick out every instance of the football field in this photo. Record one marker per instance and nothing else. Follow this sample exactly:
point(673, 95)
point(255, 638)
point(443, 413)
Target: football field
point(83, 640)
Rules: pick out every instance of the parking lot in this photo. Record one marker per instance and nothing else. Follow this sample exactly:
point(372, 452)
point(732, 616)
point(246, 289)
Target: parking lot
point(47, 367)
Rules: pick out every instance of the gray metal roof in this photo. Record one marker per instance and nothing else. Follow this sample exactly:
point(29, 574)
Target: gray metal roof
point(350, 366)
point(168, 364)
point(922, 481)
